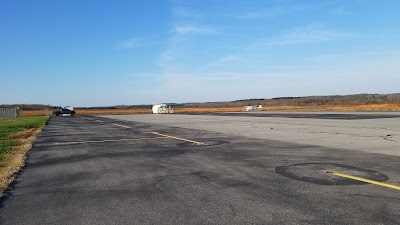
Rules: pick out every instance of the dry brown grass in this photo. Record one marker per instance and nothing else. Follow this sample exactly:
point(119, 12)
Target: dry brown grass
point(343, 108)
point(36, 112)
point(12, 161)
point(112, 111)
point(142, 111)
point(349, 108)
point(230, 109)
point(369, 107)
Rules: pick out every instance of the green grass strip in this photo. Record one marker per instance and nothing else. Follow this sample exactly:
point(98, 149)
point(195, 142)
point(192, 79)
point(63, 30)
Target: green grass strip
point(11, 126)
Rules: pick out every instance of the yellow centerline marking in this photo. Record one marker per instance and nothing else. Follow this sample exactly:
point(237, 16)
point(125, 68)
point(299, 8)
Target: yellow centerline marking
point(178, 138)
point(103, 141)
point(119, 125)
point(366, 180)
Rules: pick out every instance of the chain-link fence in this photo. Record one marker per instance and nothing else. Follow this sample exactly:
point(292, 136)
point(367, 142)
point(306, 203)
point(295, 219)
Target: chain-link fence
point(7, 113)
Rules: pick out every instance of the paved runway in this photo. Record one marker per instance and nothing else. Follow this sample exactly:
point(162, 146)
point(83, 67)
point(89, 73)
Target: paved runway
point(92, 170)
point(379, 135)
point(315, 115)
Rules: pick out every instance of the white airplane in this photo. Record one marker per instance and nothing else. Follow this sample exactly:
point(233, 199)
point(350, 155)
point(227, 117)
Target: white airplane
point(252, 108)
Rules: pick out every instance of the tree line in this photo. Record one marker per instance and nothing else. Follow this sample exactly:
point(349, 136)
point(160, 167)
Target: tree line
point(334, 100)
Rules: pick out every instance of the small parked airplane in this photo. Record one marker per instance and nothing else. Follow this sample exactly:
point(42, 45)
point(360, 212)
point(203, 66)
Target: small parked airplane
point(252, 108)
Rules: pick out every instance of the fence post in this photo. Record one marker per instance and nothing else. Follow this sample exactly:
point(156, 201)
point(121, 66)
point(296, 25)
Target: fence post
point(18, 112)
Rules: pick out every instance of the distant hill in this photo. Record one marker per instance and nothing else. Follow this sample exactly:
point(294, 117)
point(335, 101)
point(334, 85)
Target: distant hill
point(332, 100)
point(358, 99)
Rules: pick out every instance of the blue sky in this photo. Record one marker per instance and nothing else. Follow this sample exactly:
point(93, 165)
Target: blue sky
point(98, 53)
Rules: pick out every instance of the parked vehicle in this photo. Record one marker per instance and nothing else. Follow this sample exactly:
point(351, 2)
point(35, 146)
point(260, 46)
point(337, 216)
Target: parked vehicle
point(65, 111)
point(252, 108)
point(162, 109)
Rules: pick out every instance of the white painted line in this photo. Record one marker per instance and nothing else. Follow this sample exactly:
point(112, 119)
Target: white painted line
point(119, 125)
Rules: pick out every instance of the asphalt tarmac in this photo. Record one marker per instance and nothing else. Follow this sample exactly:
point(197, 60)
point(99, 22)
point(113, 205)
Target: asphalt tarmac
point(332, 116)
point(92, 170)
point(379, 135)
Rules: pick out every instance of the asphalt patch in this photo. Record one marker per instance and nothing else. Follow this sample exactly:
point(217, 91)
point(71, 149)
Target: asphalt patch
point(322, 173)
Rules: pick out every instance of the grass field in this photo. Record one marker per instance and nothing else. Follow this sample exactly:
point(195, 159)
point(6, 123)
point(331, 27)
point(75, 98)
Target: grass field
point(16, 138)
point(340, 108)
point(365, 108)
point(36, 112)
point(112, 111)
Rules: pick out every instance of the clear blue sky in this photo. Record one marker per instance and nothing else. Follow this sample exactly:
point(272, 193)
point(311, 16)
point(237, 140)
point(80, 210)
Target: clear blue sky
point(98, 53)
